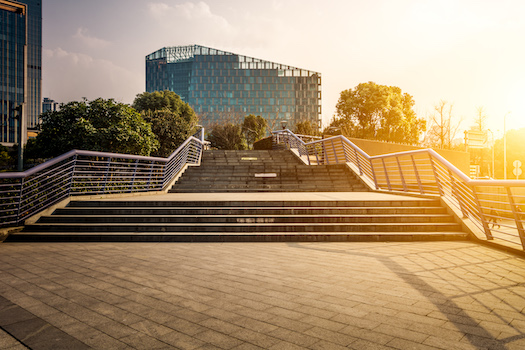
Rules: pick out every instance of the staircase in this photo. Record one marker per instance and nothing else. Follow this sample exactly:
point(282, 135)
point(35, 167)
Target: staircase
point(398, 219)
point(264, 171)
point(329, 209)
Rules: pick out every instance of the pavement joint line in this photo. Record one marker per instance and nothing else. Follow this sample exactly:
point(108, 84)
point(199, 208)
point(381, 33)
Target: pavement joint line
point(30, 330)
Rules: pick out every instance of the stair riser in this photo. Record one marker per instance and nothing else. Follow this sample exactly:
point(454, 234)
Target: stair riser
point(245, 228)
point(258, 211)
point(248, 220)
point(203, 238)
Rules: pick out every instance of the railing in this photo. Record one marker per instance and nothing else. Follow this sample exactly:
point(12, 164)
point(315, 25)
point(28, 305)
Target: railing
point(494, 206)
point(25, 194)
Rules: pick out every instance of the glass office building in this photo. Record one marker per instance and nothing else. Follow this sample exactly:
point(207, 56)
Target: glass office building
point(13, 58)
point(34, 62)
point(222, 86)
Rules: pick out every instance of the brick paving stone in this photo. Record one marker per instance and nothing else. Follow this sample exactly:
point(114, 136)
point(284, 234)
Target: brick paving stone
point(444, 295)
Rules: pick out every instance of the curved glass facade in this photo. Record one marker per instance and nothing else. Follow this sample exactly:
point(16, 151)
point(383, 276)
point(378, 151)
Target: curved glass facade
point(222, 86)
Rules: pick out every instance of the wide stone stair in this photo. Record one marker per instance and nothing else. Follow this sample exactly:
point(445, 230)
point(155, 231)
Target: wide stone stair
point(165, 220)
point(264, 171)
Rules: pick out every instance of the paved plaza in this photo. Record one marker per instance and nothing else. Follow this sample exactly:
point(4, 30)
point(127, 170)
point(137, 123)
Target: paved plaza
point(423, 295)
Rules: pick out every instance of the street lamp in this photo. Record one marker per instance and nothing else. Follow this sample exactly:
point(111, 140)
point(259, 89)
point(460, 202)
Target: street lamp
point(19, 117)
point(493, 169)
point(505, 146)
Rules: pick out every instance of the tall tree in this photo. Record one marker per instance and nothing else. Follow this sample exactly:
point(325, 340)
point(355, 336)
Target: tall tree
point(443, 126)
point(98, 125)
point(254, 128)
point(172, 120)
point(307, 127)
point(227, 136)
point(378, 112)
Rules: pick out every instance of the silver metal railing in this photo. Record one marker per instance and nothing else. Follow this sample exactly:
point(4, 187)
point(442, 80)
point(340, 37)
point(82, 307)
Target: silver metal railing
point(495, 207)
point(24, 194)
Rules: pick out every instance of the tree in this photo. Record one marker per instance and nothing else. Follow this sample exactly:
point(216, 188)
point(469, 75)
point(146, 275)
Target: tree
point(306, 127)
point(378, 112)
point(443, 127)
point(227, 136)
point(99, 125)
point(254, 128)
point(172, 120)
point(480, 121)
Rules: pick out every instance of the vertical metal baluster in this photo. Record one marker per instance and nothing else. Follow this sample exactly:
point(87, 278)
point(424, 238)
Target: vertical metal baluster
point(335, 152)
point(456, 193)
point(401, 175)
point(358, 162)
point(150, 174)
point(484, 222)
point(374, 174)
point(417, 175)
point(438, 182)
point(20, 198)
point(106, 176)
point(326, 160)
point(73, 169)
point(134, 175)
point(517, 218)
point(386, 175)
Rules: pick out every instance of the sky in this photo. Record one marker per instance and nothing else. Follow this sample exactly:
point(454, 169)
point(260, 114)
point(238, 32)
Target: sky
point(468, 53)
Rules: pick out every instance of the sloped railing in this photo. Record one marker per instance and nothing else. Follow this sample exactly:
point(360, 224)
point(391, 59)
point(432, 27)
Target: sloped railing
point(494, 206)
point(24, 194)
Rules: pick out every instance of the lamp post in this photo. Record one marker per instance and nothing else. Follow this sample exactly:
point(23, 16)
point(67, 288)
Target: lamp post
point(505, 146)
point(19, 118)
point(492, 139)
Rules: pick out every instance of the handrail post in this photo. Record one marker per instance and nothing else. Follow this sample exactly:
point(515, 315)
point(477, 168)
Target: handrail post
point(150, 174)
point(484, 221)
point(438, 181)
point(517, 218)
point(335, 152)
point(401, 175)
point(455, 193)
point(20, 195)
point(73, 169)
point(417, 175)
point(358, 162)
point(374, 174)
point(387, 178)
point(134, 175)
point(326, 160)
point(106, 176)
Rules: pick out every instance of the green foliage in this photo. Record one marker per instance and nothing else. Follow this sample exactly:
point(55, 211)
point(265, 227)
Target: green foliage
point(254, 128)
point(6, 161)
point(172, 120)
point(307, 127)
point(227, 136)
point(98, 125)
point(378, 112)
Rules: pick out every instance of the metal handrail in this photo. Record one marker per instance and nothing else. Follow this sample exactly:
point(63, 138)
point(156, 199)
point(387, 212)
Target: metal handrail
point(499, 203)
point(78, 172)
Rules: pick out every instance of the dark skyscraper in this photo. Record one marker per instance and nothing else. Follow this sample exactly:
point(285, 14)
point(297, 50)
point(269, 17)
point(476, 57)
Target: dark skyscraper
point(222, 86)
point(13, 65)
point(34, 61)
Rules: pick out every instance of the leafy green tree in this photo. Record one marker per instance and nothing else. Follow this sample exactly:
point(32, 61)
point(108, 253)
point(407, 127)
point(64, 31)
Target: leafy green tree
point(98, 125)
point(254, 128)
point(378, 112)
point(227, 136)
point(307, 127)
point(6, 161)
point(172, 120)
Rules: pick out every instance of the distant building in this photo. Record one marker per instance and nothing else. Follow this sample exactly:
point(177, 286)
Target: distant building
point(20, 68)
point(34, 62)
point(49, 105)
point(222, 86)
point(13, 65)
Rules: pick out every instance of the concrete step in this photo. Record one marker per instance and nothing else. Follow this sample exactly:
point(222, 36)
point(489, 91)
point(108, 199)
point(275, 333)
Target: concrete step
point(78, 211)
point(262, 228)
point(195, 237)
point(248, 219)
